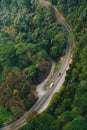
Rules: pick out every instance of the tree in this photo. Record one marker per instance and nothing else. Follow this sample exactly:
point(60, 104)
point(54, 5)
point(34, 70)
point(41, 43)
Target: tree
point(8, 54)
point(77, 124)
point(42, 56)
point(44, 122)
point(33, 73)
point(54, 52)
point(54, 2)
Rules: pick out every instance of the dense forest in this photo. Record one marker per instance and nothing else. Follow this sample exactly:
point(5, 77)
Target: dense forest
point(30, 39)
point(68, 109)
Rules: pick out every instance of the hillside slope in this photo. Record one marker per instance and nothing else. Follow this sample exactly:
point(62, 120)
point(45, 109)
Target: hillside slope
point(30, 38)
point(68, 109)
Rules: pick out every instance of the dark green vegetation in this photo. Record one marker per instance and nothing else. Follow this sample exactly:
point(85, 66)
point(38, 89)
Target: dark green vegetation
point(5, 116)
point(68, 109)
point(30, 38)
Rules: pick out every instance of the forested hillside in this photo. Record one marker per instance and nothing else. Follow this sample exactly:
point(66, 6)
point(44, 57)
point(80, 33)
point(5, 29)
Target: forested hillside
point(30, 38)
point(68, 109)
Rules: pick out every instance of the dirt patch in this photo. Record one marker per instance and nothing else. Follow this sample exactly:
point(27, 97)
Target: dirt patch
point(43, 3)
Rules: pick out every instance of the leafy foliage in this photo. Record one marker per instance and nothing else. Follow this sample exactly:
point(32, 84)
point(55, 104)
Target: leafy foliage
point(27, 35)
point(69, 106)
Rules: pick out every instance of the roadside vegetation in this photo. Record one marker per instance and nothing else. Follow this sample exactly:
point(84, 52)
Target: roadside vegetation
point(68, 109)
point(30, 38)
point(5, 116)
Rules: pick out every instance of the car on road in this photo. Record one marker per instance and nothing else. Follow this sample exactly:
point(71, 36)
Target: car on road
point(59, 74)
point(51, 85)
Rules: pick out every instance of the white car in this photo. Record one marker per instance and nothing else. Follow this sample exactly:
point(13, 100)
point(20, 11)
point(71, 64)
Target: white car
point(51, 85)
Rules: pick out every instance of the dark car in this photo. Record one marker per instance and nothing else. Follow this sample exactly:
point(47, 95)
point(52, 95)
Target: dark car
point(59, 74)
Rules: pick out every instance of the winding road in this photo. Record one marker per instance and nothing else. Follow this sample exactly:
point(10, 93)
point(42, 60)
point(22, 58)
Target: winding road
point(45, 99)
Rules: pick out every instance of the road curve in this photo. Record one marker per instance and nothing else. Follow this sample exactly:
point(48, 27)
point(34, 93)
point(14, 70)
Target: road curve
point(40, 88)
point(44, 101)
